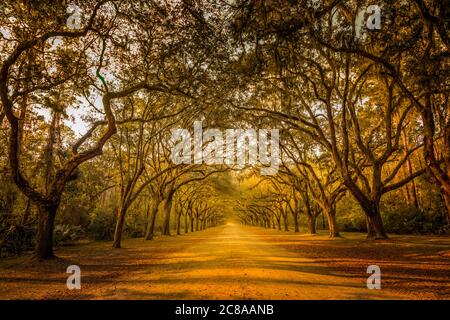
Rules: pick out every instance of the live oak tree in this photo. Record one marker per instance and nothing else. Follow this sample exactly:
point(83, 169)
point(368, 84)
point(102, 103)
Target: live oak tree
point(360, 111)
point(329, 95)
point(109, 58)
point(142, 124)
point(47, 199)
point(412, 49)
point(314, 175)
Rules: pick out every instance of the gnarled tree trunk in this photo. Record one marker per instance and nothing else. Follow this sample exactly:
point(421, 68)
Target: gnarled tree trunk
point(375, 227)
point(167, 210)
point(186, 226)
point(447, 205)
point(150, 229)
point(44, 243)
point(311, 224)
point(332, 225)
point(296, 226)
point(178, 223)
point(121, 212)
point(285, 222)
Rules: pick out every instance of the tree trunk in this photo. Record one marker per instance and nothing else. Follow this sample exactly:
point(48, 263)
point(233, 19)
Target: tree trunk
point(311, 216)
point(375, 227)
point(192, 223)
point(441, 175)
point(447, 204)
point(27, 212)
point(312, 224)
point(44, 243)
point(279, 223)
point(186, 222)
point(332, 225)
point(334, 232)
point(178, 223)
point(286, 223)
point(296, 227)
point(121, 212)
point(410, 172)
point(167, 210)
point(149, 231)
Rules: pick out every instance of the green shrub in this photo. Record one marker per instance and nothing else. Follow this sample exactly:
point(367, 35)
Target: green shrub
point(101, 225)
point(67, 234)
point(407, 220)
point(15, 238)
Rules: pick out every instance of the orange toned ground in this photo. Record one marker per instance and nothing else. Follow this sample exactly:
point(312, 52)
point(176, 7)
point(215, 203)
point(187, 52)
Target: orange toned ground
point(237, 262)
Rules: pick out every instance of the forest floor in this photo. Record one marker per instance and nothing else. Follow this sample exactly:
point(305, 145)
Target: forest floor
point(238, 262)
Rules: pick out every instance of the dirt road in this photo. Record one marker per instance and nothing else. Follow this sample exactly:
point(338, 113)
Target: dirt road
point(228, 262)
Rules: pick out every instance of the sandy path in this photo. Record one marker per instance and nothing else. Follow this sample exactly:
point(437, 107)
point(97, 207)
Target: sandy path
point(232, 262)
point(237, 262)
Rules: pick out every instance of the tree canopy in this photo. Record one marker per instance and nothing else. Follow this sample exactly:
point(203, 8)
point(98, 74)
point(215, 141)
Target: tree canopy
point(90, 95)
